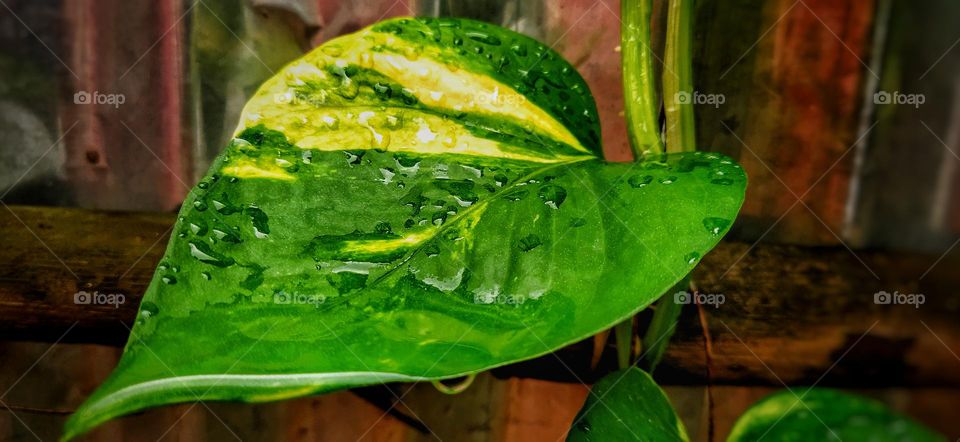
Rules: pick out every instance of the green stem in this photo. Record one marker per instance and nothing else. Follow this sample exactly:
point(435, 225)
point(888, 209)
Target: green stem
point(640, 104)
point(678, 78)
point(664, 323)
point(624, 333)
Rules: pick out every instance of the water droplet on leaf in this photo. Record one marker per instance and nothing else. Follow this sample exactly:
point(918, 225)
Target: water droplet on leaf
point(715, 225)
point(638, 181)
point(529, 242)
point(553, 195)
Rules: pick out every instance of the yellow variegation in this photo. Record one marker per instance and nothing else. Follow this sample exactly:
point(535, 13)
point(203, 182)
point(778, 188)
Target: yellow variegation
point(420, 200)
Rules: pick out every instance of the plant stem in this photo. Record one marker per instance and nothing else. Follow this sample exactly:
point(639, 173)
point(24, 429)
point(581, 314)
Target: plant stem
point(640, 94)
point(664, 323)
point(678, 78)
point(624, 334)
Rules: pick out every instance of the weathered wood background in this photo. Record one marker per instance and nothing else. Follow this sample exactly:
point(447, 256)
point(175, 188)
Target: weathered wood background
point(847, 197)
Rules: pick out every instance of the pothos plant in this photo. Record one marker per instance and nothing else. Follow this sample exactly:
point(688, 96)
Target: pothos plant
point(423, 199)
point(628, 404)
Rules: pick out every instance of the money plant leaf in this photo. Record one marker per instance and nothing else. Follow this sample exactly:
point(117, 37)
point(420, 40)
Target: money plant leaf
point(422, 199)
point(825, 414)
point(627, 405)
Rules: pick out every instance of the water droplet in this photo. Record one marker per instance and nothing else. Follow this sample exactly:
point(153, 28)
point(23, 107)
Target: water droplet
point(721, 181)
point(407, 165)
point(348, 89)
point(477, 172)
point(483, 37)
point(449, 139)
point(515, 194)
point(388, 175)
point(198, 227)
point(381, 140)
point(168, 279)
point(715, 225)
point(668, 180)
point(383, 227)
point(206, 275)
point(638, 181)
point(553, 195)
point(394, 121)
point(260, 221)
point(332, 50)
point(148, 310)
point(225, 234)
point(529, 242)
point(431, 250)
point(199, 205)
point(408, 96)
point(330, 121)
point(691, 258)
point(354, 156)
point(205, 254)
point(365, 60)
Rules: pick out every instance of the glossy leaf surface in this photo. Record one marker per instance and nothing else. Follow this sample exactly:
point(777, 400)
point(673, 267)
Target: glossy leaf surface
point(824, 414)
point(627, 405)
point(423, 199)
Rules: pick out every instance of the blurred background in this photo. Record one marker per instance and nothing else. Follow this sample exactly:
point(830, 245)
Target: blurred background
point(844, 113)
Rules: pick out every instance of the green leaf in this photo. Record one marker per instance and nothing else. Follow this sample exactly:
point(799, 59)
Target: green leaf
point(423, 199)
point(627, 405)
point(824, 414)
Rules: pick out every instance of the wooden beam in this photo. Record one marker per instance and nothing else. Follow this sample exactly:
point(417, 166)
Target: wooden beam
point(789, 313)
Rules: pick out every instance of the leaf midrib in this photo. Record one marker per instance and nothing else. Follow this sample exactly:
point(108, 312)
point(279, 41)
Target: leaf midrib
point(469, 210)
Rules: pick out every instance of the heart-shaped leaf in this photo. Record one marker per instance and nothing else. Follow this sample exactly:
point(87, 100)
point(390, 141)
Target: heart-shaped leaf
point(627, 405)
point(423, 199)
point(824, 414)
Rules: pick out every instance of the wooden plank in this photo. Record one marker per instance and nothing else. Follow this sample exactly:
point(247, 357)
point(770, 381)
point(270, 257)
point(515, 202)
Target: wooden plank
point(55, 253)
point(910, 182)
point(791, 75)
point(799, 309)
